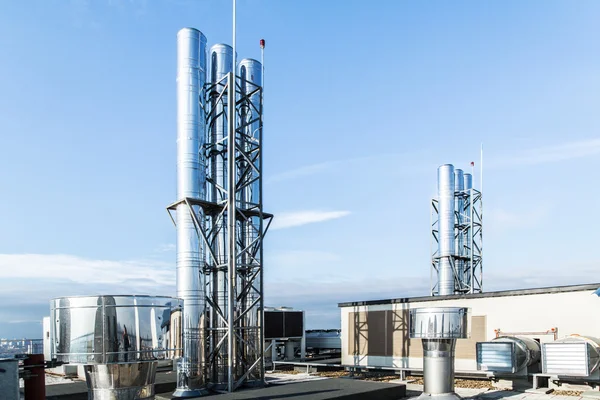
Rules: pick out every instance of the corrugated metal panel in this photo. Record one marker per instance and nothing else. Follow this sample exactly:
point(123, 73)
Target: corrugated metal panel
point(570, 359)
point(496, 356)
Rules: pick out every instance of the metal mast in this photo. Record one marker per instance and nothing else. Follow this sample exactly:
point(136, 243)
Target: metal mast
point(457, 235)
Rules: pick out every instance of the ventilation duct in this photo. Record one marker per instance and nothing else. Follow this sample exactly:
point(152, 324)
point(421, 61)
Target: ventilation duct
point(576, 356)
point(439, 328)
point(508, 355)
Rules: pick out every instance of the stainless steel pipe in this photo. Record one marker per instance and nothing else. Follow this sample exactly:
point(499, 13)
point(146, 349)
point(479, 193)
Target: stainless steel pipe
point(460, 239)
point(439, 328)
point(191, 182)
point(446, 184)
point(221, 60)
point(438, 366)
point(124, 381)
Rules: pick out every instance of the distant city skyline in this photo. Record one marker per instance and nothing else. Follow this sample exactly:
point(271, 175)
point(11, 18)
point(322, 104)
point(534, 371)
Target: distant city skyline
point(363, 101)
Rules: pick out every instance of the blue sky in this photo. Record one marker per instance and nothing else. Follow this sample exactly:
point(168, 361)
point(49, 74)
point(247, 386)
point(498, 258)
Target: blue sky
point(363, 101)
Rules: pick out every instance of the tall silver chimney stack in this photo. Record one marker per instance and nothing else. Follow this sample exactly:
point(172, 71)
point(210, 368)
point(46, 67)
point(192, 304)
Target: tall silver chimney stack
point(191, 182)
point(446, 228)
point(459, 181)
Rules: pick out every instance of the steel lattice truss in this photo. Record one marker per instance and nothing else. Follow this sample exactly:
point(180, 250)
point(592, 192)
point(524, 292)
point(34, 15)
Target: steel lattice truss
point(468, 222)
point(234, 246)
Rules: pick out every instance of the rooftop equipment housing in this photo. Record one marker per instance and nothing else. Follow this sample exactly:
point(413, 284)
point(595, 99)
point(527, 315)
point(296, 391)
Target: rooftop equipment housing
point(508, 355)
point(324, 339)
point(574, 356)
point(118, 339)
point(284, 327)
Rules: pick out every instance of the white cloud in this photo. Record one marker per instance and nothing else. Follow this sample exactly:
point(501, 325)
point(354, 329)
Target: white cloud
point(82, 270)
point(548, 154)
point(299, 218)
point(25, 321)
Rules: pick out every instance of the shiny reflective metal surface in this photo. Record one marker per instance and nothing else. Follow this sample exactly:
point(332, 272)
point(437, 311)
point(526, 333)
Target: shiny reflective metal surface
point(191, 182)
point(439, 328)
point(438, 366)
point(124, 381)
point(507, 354)
point(467, 279)
point(111, 329)
point(439, 323)
point(459, 187)
point(577, 356)
point(446, 228)
point(468, 181)
point(221, 59)
point(250, 81)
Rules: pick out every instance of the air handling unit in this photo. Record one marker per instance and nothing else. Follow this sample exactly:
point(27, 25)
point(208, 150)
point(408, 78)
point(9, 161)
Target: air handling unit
point(508, 356)
point(572, 358)
point(219, 216)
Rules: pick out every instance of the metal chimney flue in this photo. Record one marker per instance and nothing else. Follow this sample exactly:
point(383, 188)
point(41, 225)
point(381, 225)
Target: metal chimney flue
point(446, 228)
point(439, 328)
point(457, 234)
point(191, 181)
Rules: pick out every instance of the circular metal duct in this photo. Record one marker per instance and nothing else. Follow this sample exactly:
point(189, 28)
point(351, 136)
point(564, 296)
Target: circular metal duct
point(526, 351)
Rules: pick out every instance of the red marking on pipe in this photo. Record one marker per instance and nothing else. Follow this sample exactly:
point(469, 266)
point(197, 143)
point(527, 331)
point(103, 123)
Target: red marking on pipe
point(35, 384)
point(262, 43)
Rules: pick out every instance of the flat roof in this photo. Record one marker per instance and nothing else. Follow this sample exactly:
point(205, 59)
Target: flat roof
point(502, 293)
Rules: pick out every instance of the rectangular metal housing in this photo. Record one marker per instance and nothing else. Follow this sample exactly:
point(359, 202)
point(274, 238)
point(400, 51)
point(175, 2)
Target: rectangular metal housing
point(496, 357)
point(566, 359)
point(284, 324)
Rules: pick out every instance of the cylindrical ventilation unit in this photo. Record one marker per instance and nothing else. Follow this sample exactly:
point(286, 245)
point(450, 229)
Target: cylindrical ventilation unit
point(439, 328)
point(221, 59)
point(576, 356)
point(446, 184)
point(508, 355)
point(191, 181)
point(119, 339)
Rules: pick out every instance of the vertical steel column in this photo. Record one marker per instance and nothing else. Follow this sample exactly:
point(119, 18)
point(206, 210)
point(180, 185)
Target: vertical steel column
point(261, 329)
point(231, 220)
point(468, 237)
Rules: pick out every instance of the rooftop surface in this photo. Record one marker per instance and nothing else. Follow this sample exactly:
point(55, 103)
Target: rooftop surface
point(305, 386)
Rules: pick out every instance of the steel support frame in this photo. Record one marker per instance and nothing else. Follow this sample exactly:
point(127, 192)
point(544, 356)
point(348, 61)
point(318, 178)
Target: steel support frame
point(241, 336)
point(471, 227)
point(241, 327)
